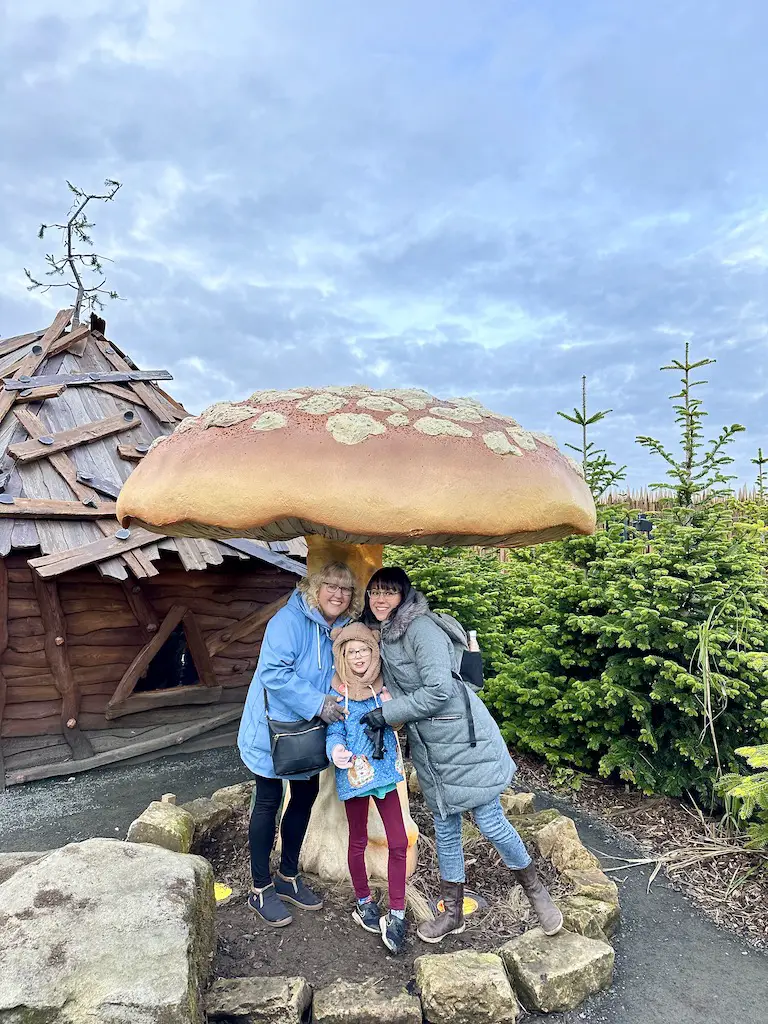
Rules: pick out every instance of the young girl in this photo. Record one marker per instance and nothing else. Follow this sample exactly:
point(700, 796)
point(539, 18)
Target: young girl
point(360, 775)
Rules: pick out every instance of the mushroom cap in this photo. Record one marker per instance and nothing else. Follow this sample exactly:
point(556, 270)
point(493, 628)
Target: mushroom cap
point(358, 465)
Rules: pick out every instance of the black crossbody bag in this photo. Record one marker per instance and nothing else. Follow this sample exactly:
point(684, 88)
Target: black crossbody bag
point(297, 748)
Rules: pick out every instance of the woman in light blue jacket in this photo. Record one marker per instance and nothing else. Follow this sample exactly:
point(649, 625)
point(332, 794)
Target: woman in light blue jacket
point(294, 670)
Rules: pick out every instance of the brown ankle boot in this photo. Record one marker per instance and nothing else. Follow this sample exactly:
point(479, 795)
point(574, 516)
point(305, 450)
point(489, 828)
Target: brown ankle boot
point(550, 918)
point(451, 921)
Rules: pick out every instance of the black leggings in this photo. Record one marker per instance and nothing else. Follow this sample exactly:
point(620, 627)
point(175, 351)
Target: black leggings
point(293, 828)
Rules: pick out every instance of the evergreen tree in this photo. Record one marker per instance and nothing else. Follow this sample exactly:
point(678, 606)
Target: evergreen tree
point(699, 470)
point(600, 472)
point(760, 462)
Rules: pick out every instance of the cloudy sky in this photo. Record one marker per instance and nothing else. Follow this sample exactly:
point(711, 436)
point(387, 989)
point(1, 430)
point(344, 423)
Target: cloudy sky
point(488, 198)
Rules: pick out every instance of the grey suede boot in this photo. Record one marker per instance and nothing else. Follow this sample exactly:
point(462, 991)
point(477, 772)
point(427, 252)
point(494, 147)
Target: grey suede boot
point(550, 918)
point(451, 921)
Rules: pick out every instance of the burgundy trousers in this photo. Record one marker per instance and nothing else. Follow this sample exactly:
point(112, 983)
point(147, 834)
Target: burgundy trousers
point(397, 840)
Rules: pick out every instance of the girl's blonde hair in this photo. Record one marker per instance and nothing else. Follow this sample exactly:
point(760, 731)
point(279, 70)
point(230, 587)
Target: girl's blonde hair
point(333, 572)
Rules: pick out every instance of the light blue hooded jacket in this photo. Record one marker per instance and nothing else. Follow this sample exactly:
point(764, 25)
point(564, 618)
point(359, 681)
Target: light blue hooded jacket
point(295, 667)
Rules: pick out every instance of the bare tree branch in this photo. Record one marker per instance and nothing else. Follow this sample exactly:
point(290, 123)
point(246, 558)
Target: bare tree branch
point(75, 232)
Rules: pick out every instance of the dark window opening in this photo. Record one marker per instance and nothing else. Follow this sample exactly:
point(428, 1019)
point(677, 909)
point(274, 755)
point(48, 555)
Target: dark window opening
point(171, 667)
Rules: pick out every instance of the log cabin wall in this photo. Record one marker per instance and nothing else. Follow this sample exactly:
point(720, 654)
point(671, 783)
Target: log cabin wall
point(107, 625)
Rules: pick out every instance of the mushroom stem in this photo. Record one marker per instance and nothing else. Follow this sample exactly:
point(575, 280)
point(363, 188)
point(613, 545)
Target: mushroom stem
point(362, 559)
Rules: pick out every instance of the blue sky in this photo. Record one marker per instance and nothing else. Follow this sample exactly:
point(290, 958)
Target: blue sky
point(488, 198)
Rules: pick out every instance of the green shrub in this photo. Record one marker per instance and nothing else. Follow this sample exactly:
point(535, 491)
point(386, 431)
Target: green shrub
point(649, 663)
point(612, 655)
point(747, 796)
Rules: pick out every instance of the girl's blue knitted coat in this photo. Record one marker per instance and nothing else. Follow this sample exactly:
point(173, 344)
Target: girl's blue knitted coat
point(366, 775)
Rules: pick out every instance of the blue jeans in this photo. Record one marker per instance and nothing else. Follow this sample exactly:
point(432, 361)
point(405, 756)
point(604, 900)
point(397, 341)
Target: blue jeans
point(490, 819)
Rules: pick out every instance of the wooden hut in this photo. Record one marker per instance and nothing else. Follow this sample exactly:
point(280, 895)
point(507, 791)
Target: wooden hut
point(115, 645)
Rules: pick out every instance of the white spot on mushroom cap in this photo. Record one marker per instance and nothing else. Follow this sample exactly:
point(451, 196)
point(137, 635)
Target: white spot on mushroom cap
point(577, 466)
point(434, 427)
point(226, 414)
point(414, 398)
point(186, 424)
point(270, 420)
point(522, 438)
point(397, 419)
point(381, 403)
point(353, 427)
point(321, 404)
point(499, 442)
point(463, 413)
point(270, 396)
point(545, 439)
point(349, 389)
point(160, 439)
point(478, 406)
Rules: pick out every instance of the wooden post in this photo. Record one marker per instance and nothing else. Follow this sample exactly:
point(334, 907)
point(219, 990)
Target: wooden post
point(142, 609)
point(3, 645)
point(55, 642)
point(140, 663)
point(198, 650)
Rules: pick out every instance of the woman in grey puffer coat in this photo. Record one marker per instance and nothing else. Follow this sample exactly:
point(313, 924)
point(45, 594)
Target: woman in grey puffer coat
point(461, 759)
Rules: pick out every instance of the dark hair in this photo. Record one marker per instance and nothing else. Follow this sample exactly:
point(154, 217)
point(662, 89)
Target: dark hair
point(390, 578)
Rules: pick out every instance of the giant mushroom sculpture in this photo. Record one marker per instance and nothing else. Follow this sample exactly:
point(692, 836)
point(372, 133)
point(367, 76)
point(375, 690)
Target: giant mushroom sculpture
point(352, 469)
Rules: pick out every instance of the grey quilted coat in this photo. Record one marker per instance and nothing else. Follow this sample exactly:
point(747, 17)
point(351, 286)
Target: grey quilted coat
point(418, 657)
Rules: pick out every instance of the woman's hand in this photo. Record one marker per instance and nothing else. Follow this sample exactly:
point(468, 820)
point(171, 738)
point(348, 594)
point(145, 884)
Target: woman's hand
point(342, 757)
point(330, 711)
point(385, 695)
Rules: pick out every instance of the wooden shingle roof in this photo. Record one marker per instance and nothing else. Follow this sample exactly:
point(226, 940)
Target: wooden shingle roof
point(76, 415)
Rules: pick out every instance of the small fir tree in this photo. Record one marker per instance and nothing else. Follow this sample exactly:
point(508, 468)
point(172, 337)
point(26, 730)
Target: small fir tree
point(81, 266)
point(600, 472)
point(699, 471)
point(760, 462)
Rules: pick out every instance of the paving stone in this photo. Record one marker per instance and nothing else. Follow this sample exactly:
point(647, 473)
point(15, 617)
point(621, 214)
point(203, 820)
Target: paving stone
point(555, 974)
point(163, 824)
point(353, 1002)
point(596, 919)
point(466, 987)
point(559, 842)
point(259, 1001)
point(593, 883)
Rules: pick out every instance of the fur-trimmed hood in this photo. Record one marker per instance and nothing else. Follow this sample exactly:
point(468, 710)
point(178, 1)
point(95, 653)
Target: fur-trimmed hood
point(347, 683)
point(414, 606)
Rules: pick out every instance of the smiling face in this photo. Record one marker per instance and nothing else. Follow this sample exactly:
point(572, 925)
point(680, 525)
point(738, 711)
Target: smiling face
point(333, 598)
point(357, 657)
point(383, 601)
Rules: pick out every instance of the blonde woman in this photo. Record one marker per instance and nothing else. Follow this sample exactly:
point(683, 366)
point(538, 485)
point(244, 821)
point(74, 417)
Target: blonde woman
point(295, 670)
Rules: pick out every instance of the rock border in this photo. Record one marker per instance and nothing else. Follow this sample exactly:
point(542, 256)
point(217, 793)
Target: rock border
point(535, 972)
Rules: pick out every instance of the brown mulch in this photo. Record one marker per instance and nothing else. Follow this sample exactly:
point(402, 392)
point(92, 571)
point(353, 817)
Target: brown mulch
point(697, 854)
point(328, 945)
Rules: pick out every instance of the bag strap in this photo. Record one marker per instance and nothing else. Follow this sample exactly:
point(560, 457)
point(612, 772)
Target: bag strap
point(266, 705)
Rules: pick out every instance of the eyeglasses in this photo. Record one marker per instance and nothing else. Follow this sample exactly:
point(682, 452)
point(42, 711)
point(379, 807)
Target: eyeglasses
point(383, 593)
point(334, 588)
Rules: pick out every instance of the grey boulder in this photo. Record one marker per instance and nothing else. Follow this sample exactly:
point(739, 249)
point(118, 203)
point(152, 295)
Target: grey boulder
point(106, 931)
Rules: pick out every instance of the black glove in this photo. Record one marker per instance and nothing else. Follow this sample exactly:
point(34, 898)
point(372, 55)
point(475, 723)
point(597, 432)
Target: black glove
point(374, 719)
